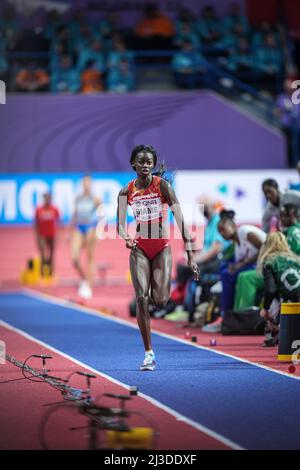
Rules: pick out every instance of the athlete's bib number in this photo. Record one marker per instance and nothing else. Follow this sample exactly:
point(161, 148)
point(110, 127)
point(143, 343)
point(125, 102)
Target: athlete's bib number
point(147, 209)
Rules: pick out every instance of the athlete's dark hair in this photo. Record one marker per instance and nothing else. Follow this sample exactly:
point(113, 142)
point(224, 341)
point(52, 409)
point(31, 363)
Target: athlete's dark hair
point(148, 148)
point(270, 183)
point(227, 215)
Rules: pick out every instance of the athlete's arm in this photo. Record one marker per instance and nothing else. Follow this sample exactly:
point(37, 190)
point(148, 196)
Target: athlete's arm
point(121, 218)
point(172, 201)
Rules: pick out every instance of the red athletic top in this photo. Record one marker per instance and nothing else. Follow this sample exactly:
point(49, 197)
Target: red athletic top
point(46, 220)
point(148, 205)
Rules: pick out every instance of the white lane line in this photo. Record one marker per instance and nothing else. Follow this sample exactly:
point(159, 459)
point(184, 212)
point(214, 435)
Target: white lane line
point(90, 311)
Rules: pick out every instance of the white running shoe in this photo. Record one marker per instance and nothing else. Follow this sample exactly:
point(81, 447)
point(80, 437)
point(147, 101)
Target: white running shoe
point(149, 362)
point(84, 291)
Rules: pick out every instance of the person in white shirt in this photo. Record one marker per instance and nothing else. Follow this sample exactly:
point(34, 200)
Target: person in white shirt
point(248, 240)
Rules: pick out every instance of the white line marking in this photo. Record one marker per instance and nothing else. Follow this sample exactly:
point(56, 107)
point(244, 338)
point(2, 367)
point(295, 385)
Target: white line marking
point(90, 311)
point(156, 403)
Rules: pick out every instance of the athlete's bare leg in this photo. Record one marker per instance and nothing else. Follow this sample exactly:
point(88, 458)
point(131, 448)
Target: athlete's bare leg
point(76, 246)
point(140, 269)
point(91, 239)
point(161, 277)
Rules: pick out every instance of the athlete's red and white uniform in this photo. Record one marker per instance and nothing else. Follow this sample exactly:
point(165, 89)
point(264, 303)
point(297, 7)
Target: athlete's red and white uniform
point(149, 207)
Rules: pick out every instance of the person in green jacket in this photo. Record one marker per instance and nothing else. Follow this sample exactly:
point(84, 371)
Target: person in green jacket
point(290, 226)
point(250, 283)
point(280, 268)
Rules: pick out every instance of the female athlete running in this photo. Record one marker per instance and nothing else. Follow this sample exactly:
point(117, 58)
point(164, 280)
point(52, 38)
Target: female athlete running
point(150, 196)
point(85, 222)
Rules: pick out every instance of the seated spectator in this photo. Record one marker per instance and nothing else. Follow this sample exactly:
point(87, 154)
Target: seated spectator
point(10, 25)
point(208, 259)
point(79, 26)
point(241, 58)
point(65, 78)
point(209, 27)
point(91, 79)
point(268, 57)
point(119, 52)
point(280, 268)
point(185, 17)
point(107, 27)
point(275, 200)
point(53, 21)
point(235, 22)
point(155, 30)
point(250, 283)
point(290, 226)
point(120, 78)
point(248, 240)
point(91, 52)
point(32, 78)
point(189, 66)
point(3, 59)
point(187, 34)
point(287, 112)
point(259, 35)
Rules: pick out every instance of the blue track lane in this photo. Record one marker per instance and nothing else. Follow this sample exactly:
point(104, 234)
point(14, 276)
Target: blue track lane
point(251, 406)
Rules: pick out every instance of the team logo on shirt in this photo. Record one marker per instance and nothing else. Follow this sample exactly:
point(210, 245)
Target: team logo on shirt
point(290, 279)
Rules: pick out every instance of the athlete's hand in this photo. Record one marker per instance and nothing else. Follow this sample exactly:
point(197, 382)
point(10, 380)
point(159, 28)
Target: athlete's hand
point(193, 265)
point(130, 243)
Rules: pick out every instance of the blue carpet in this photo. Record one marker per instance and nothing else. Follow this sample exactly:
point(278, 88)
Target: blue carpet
point(253, 407)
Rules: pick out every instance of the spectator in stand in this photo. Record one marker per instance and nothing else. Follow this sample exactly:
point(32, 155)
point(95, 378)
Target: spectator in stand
point(288, 115)
point(10, 25)
point(53, 23)
point(120, 78)
point(46, 219)
point(119, 52)
point(248, 240)
point(91, 79)
point(209, 27)
point(290, 226)
point(187, 34)
point(275, 200)
point(155, 30)
point(235, 22)
point(259, 35)
point(91, 52)
point(65, 78)
point(189, 66)
point(62, 39)
point(3, 60)
point(185, 17)
point(268, 57)
point(32, 78)
point(241, 58)
point(79, 27)
point(287, 112)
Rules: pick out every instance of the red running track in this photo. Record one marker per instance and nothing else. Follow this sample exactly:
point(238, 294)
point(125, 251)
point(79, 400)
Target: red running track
point(23, 406)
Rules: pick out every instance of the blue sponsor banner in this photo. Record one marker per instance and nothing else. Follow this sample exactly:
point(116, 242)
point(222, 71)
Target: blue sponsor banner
point(21, 193)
